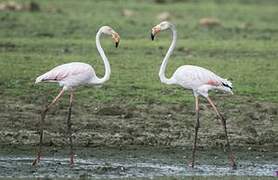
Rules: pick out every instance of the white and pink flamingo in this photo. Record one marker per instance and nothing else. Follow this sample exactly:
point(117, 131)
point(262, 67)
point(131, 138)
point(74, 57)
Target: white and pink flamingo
point(197, 79)
point(72, 75)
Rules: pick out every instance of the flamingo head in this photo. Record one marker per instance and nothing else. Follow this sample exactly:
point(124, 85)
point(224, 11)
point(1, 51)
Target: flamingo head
point(109, 31)
point(164, 25)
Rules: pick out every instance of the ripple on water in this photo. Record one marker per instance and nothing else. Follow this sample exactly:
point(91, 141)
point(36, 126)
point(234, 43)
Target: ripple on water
point(59, 167)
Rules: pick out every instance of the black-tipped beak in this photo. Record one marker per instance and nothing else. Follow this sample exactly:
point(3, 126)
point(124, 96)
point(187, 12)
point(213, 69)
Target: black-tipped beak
point(152, 36)
point(116, 44)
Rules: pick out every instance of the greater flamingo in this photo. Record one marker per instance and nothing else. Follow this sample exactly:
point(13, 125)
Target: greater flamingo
point(199, 80)
point(72, 75)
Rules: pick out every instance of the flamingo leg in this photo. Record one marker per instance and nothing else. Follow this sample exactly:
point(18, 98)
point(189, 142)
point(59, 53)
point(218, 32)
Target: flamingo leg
point(197, 125)
point(223, 122)
point(43, 114)
point(69, 130)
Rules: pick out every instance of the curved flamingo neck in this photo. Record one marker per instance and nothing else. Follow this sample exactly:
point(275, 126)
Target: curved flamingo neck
point(105, 61)
point(162, 70)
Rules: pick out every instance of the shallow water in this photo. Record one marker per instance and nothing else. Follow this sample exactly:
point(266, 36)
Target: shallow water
point(105, 163)
point(105, 168)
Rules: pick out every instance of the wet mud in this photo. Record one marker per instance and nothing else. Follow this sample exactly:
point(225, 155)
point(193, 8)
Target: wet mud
point(249, 123)
point(144, 140)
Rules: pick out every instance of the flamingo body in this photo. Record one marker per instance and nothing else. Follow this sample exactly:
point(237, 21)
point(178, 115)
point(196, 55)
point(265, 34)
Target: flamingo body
point(200, 80)
point(70, 75)
point(197, 79)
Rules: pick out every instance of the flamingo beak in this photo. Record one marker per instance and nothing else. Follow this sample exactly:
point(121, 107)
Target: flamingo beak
point(152, 36)
point(154, 32)
point(116, 39)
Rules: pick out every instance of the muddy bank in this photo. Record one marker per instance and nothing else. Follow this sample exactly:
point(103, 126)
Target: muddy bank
point(249, 122)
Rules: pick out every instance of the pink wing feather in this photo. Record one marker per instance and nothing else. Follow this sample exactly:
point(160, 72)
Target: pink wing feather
point(65, 71)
